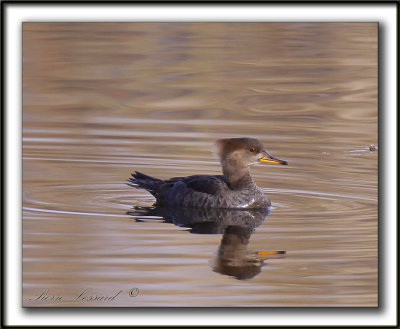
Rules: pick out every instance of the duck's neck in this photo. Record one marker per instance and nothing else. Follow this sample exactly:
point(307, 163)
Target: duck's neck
point(238, 177)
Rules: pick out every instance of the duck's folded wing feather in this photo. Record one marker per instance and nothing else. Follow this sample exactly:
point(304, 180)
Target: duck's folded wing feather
point(202, 183)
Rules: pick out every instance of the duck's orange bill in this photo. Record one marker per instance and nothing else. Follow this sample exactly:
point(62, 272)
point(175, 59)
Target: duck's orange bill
point(268, 158)
point(275, 252)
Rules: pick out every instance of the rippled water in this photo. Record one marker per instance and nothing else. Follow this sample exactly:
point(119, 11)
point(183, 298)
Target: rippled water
point(103, 100)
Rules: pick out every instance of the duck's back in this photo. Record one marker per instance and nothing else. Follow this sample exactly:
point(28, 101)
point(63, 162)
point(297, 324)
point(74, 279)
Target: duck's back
point(199, 191)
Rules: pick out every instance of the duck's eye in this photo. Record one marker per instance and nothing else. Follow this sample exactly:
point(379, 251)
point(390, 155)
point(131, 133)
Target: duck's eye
point(253, 149)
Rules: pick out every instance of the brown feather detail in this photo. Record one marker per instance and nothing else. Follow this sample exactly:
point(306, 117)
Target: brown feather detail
point(229, 145)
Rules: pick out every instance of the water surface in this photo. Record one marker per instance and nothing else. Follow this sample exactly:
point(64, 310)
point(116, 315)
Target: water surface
point(103, 100)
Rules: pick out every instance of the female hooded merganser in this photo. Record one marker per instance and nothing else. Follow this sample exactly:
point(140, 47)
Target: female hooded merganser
point(234, 189)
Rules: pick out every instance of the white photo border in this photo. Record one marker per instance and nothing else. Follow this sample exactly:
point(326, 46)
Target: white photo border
point(15, 13)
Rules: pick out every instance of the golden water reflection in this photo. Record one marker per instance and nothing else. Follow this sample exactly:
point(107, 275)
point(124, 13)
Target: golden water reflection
point(236, 227)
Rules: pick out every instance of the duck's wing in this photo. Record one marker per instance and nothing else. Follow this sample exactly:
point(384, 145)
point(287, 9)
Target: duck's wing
point(202, 183)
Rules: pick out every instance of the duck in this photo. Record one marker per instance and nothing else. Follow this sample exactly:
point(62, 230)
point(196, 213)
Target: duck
point(234, 189)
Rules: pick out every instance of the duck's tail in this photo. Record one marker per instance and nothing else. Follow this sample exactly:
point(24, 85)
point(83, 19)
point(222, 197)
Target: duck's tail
point(139, 180)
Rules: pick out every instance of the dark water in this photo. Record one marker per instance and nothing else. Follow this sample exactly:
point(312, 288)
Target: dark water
point(103, 100)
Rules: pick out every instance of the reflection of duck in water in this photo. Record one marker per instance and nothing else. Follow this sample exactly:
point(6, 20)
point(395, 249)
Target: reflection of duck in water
point(237, 226)
point(234, 189)
point(233, 257)
point(204, 221)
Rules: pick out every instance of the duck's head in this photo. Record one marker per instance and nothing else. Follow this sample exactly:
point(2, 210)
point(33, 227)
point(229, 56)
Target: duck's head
point(243, 152)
